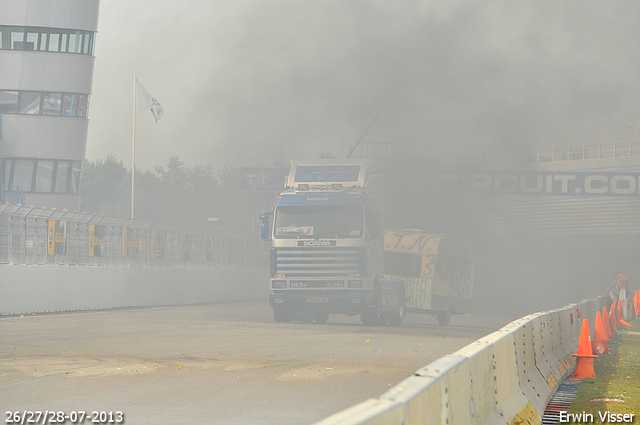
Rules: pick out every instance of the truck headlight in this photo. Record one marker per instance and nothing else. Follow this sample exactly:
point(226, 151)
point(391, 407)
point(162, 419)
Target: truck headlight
point(278, 284)
point(355, 284)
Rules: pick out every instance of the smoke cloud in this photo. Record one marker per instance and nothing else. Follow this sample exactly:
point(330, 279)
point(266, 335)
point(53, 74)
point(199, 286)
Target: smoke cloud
point(245, 83)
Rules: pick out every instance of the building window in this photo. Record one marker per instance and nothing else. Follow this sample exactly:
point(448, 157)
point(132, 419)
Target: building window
point(57, 40)
point(36, 103)
point(43, 41)
point(62, 176)
point(52, 103)
point(54, 42)
point(30, 103)
point(8, 102)
point(31, 43)
point(63, 42)
point(87, 43)
point(75, 42)
point(42, 175)
point(70, 105)
point(83, 105)
point(22, 174)
point(17, 39)
point(74, 182)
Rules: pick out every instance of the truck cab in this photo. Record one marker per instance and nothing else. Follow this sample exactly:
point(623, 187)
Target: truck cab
point(327, 242)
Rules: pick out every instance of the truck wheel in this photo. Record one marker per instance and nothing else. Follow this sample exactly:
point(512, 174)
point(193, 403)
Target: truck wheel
point(321, 317)
point(396, 319)
point(444, 317)
point(281, 316)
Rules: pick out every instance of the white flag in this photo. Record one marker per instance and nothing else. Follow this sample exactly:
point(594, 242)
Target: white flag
point(147, 101)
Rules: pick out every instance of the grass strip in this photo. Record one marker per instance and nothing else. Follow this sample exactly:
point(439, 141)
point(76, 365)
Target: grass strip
point(616, 387)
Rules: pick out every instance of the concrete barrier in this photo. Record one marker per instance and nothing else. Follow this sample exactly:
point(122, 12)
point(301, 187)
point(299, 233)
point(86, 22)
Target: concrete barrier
point(507, 377)
point(40, 289)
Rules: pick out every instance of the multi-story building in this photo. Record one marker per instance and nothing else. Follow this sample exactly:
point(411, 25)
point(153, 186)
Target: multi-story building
point(46, 72)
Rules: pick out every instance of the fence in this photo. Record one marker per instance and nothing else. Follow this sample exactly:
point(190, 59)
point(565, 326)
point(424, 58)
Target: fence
point(31, 235)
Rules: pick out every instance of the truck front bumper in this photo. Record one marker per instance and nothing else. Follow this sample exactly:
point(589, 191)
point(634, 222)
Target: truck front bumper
point(345, 302)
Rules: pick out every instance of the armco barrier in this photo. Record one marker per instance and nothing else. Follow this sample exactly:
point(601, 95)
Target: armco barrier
point(507, 377)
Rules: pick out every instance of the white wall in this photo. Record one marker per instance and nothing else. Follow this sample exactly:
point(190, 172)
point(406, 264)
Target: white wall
point(31, 289)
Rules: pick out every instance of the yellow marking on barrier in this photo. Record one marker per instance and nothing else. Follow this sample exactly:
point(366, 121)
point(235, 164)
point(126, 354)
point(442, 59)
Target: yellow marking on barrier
point(527, 416)
point(566, 364)
point(552, 379)
point(51, 240)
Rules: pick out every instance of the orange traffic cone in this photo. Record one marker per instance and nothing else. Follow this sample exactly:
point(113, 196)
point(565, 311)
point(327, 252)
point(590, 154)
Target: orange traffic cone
point(612, 319)
point(584, 364)
point(600, 344)
point(619, 308)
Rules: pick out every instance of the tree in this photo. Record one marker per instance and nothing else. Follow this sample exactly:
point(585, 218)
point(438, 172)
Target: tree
point(186, 193)
point(103, 189)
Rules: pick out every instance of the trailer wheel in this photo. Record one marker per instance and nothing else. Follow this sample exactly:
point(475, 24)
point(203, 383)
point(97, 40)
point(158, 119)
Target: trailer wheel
point(396, 319)
point(444, 317)
point(281, 316)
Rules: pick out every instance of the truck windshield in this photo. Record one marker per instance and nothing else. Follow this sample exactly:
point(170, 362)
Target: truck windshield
point(318, 221)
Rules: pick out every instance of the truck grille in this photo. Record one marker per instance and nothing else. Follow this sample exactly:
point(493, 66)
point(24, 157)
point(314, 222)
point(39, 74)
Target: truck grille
point(318, 262)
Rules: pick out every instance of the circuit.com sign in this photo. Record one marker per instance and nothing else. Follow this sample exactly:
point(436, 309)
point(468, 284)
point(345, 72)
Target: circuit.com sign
point(567, 184)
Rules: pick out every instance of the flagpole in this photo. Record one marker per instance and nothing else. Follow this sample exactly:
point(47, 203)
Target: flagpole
point(133, 145)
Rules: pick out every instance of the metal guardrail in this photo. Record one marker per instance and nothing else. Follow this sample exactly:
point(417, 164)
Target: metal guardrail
point(610, 150)
point(31, 235)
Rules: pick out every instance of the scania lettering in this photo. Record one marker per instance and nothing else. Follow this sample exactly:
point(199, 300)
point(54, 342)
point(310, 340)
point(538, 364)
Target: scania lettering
point(316, 243)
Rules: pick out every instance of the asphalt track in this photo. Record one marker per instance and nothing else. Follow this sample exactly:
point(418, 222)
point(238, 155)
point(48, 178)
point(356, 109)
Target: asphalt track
point(213, 364)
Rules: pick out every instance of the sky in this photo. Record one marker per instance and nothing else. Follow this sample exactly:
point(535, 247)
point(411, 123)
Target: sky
point(259, 82)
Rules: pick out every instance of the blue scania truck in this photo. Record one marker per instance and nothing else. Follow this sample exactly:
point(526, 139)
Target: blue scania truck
point(328, 251)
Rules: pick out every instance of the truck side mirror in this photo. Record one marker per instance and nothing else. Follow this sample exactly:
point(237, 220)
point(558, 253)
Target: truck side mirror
point(265, 229)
